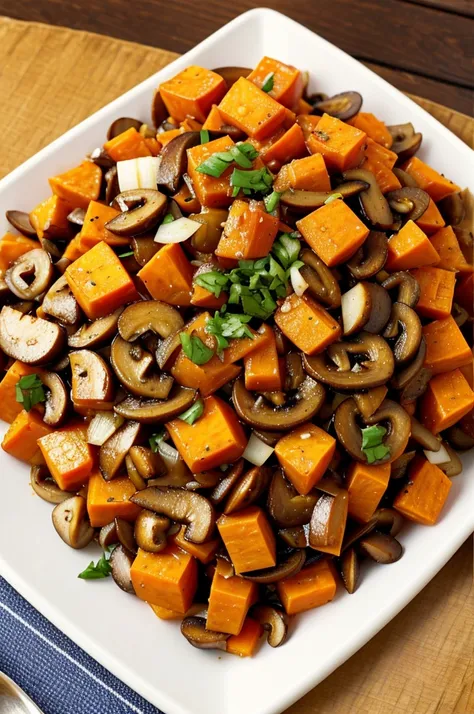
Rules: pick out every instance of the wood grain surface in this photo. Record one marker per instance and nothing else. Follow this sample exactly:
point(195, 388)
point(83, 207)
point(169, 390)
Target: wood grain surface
point(423, 661)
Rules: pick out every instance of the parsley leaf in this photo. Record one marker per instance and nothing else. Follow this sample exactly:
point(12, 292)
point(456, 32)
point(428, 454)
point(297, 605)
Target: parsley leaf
point(224, 326)
point(195, 349)
point(286, 249)
point(242, 154)
point(155, 440)
point(257, 180)
point(194, 412)
point(96, 571)
point(268, 82)
point(332, 198)
point(29, 391)
point(169, 218)
point(372, 444)
point(214, 281)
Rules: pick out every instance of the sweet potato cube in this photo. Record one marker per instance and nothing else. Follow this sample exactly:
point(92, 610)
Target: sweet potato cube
point(168, 276)
point(341, 145)
point(464, 292)
point(192, 92)
point(290, 145)
point(311, 587)
point(423, 497)
point(447, 399)
point(107, 500)
point(446, 347)
point(431, 220)
point(249, 539)
point(204, 298)
point(246, 642)
point(305, 453)
point(130, 144)
point(436, 185)
point(309, 174)
point(262, 369)
point(380, 162)
point(451, 256)
point(308, 124)
point(366, 485)
point(204, 552)
point(12, 247)
point(211, 192)
point(333, 231)
point(167, 579)
point(21, 438)
point(214, 121)
point(208, 377)
point(73, 249)
point(99, 282)
point(49, 218)
point(288, 81)
point(69, 457)
point(215, 438)
point(78, 186)
point(248, 233)
point(373, 127)
point(410, 248)
point(94, 230)
point(10, 407)
point(308, 325)
point(229, 602)
point(437, 291)
point(251, 110)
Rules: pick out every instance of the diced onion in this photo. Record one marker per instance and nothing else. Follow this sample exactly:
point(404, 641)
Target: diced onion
point(177, 231)
point(298, 282)
point(102, 426)
point(256, 451)
point(438, 457)
point(137, 173)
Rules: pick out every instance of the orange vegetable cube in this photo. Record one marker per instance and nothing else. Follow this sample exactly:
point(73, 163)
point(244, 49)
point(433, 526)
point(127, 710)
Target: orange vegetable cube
point(288, 81)
point(215, 438)
point(204, 552)
point(366, 485)
point(153, 145)
point(21, 439)
point(249, 539)
point(192, 92)
point(168, 276)
point(251, 110)
point(185, 200)
point(248, 233)
point(410, 248)
point(49, 218)
point(290, 145)
point(130, 144)
point(437, 291)
point(308, 124)
point(107, 500)
point(229, 602)
point(210, 191)
point(12, 247)
point(304, 107)
point(69, 457)
point(431, 220)
point(379, 154)
point(245, 643)
point(262, 369)
point(446, 348)
point(94, 230)
point(423, 497)
point(380, 162)
point(373, 127)
point(73, 249)
point(10, 407)
point(333, 231)
point(451, 256)
point(341, 145)
point(204, 298)
point(214, 120)
point(167, 579)
point(447, 399)
point(167, 136)
point(308, 325)
point(190, 124)
point(434, 183)
point(305, 453)
point(208, 377)
point(99, 282)
point(311, 587)
point(464, 292)
point(78, 186)
point(309, 174)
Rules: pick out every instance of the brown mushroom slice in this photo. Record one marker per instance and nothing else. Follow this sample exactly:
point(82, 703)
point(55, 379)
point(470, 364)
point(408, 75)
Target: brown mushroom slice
point(328, 522)
point(343, 106)
point(121, 562)
point(453, 467)
point(399, 466)
point(141, 209)
point(368, 402)
point(112, 453)
point(174, 161)
point(294, 375)
point(149, 315)
point(459, 439)
point(29, 339)
point(112, 188)
point(321, 282)
point(155, 411)
point(293, 537)
point(133, 474)
point(301, 202)
point(21, 221)
point(94, 334)
point(206, 239)
point(356, 306)
point(194, 629)
point(371, 256)
point(381, 307)
point(270, 438)
point(307, 402)
point(182, 506)
point(178, 474)
point(120, 125)
point(291, 565)
point(159, 113)
point(381, 547)
point(232, 74)
point(72, 523)
point(131, 363)
point(417, 386)
point(373, 372)
point(408, 287)
point(452, 209)
point(248, 490)
point(374, 204)
point(356, 531)
point(148, 463)
point(44, 486)
point(423, 436)
point(288, 508)
point(408, 343)
point(144, 248)
point(108, 536)
point(388, 520)
point(76, 217)
point(350, 571)
point(460, 315)
point(56, 402)
point(410, 201)
point(30, 275)
point(124, 532)
point(229, 480)
point(405, 376)
point(274, 621)
point(331, 483)
point(151, 530)
point(406, 141)
point(92, 382)
point(59, 302)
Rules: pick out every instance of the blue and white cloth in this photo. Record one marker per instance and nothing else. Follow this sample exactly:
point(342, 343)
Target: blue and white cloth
point(58, 676)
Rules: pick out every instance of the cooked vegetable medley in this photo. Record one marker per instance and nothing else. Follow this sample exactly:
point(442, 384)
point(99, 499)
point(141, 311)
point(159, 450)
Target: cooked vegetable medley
point(238, 348)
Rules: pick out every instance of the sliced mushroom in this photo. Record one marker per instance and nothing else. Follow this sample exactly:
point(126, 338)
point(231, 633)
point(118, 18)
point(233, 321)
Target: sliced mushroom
point(274, 621)
point(307, 402)
point(460, 315)
point(141, 209)
point(159, 113)
point(423, 436)
point(291, 565)
point(408, 287)
point(344, 105)
point(302, 202)
point(44, 486)
point(417, 386)
point(368, 402)
point(294, 375)
point(154, 411)
point(131, 363)
point(288, 508)
point(411, 202)
point(108, 536)
point(30, 275)
point(95, 333)
point(371, 256)
point(120, 125)
point(113, 452)
point(406, 141)
point(133, 474)
point(208, 479)
point(453, 467)
point(151, 530)
point(294, 537)
point(149, 315)
point(328, 522)
point(408, 343)
point(29, 339)
point(144, 248)
point(59, 302)
point(124, 532)
point(350, 570)
point(205, 239)
point(182, 506)
point(92, 382)
point(21, 221)
point(121, 562)
point(459, 439)
point(381, 547)
point(72, 523)
point(174, 160)
point(232, 74)
point(148, 463)
point(374, 204)
point(356, 306)
point(76, 217)
point(321, 282)
point(229, 480)
point(194, 629)
point(375, 371)
point(399, 466)
point(112, 188)
point(388, 520)
point(56, 399)
point(248, 490)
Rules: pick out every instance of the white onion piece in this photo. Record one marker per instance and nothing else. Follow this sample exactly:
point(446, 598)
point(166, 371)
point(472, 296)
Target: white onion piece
point(438, 457)
point(137, 173)
point(102, 426)
point(297, 281)
point(177, 231)
point(256, 451)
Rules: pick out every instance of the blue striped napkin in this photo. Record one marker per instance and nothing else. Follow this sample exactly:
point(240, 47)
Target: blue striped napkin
point(59, 676)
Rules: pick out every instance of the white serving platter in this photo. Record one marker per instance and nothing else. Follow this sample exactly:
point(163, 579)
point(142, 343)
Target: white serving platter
point(120, 631)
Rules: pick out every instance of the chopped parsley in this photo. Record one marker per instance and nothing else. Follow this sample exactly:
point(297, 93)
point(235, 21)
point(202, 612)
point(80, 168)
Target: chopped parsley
point(242, 154)
point(372, 443)
point(195, 349)
point(96, 571)
point(29, 391)
point(268, 82)
point(155, 441)
point(194, 412)
point(224, 326)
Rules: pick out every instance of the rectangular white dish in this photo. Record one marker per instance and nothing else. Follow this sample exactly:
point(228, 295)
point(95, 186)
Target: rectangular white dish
point(120, 631)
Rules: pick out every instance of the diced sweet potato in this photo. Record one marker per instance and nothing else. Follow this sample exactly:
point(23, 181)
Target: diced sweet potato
point(410, 248)
point(309, 174)
point(464, 292)
point(246, 642)
point(192, 92)
point(366, 485)
point(262, 369)
point(167, 579)
point(249, 539)
point(341, 145)
point(431, 220)
point(380, 162)
point(311, 587)
point(211, 192)
point(434, 183)
point(73, 249)
point(422, 498)
point(288, 81)
point(446, 347)
point(373, 127)
point(308, 325)
point(437, 291)
point(248, 233)
point(229, 603)
point(251, 110)
point(21, 438)
point(204, 298)
point(289, 146)
point(214, 121)
point(130, 144)
point(451, 256)
point(49, 219)
point(168, 276)
point(78, 186)
point(94, 230)
point(204, 552)
point(305, 453)
point(107, 500)
point(69, 457)
point(208, 377)
point(447, 399)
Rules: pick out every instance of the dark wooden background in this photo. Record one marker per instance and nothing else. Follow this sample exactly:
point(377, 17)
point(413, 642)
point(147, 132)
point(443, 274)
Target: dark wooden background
point(421, 46)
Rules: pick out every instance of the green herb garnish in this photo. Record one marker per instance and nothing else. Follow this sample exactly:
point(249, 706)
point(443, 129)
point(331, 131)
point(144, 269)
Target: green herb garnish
point(286, 249)
point(214, 281)
point(29, 391)
point(214, 166)
point(169, 218)
point(242, 154)
point(247, 149)
point(204, 136)
point(155, 441)
point(195, 349)
point(268, 82)
point(333, 197)
point(257, 180)
point(372, 444)
point(224, 326)
point(96, 571)
point(271, 201)
point(125, 255)
point(193, 413)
